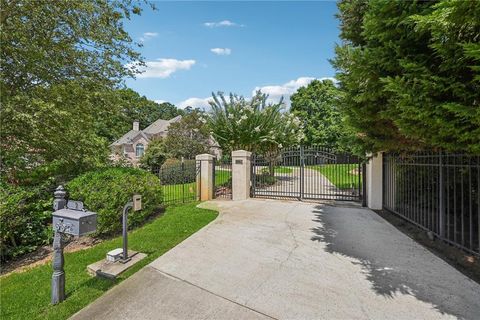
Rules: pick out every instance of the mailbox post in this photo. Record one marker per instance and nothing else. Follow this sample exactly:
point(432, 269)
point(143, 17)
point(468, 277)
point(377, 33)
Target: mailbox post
point(69, 219)
point(136, 204)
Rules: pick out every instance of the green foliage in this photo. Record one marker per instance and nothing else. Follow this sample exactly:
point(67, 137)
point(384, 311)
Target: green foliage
point(46, 43)
point(154, 156)
point(265, 179)
point(61, 65)
point(188, 137)
point(175, 171)
point(33, 285)
point(410, 73)
point(252, 125)
point(128, 106)
point(24, 215)
point(317, 107)
point(106, 191)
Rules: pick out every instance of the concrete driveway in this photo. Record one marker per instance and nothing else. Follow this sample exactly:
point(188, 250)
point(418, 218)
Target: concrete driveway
point(264, 259)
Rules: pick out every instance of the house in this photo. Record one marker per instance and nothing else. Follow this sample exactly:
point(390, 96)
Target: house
point(131, 146)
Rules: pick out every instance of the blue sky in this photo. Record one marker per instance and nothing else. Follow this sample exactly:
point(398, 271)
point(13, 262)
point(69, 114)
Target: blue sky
point(194, 48)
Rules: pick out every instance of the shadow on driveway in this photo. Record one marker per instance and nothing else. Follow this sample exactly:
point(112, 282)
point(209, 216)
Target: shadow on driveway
point(392, 262)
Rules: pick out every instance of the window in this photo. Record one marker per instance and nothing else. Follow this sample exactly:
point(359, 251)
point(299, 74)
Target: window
point(139, 150)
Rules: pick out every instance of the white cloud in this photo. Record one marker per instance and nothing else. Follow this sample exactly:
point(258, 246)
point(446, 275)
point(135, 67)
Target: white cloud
point(163, 68)
point(202, 103)
point(159, 101)
point(148, 35)
point(275, 92)
point(221, 51)
point(223, 23)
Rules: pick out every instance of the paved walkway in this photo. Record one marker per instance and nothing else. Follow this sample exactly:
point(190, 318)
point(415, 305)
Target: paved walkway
point(315, 185)
point(266, 259)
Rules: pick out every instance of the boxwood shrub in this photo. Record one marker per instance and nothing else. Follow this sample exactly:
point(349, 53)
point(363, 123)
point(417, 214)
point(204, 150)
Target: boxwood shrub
point(106, 191)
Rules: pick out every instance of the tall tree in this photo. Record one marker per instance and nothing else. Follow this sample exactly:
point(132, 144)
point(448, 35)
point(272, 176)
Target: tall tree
point(131, 106)
point(316, 105)
point(60, 61)
point(188, 137)
point(410, 73)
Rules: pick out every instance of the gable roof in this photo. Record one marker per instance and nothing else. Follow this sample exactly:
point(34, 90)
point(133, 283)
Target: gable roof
point(128, 138)
point(160, 125)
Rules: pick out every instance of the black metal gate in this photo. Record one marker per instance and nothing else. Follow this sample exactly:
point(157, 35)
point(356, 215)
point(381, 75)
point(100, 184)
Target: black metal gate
point(308, 173)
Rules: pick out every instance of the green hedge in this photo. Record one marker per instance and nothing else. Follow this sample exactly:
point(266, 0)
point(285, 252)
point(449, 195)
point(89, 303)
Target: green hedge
point(106, 191)
point(173, 172)
point(25, 213)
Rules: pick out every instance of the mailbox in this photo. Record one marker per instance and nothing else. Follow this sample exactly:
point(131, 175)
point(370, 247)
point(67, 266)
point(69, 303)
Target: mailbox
point(74, 220)
point(137, 202)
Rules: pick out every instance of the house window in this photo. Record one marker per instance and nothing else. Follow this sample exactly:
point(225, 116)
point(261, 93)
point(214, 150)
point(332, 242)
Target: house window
point(139, 150)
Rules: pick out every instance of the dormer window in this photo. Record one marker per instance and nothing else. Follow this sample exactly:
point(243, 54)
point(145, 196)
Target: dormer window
point(139, 150)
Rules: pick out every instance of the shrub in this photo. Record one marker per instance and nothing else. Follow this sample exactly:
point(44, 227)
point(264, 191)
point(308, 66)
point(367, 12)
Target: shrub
point(106, 191)
point(173, 172)
point(25, 213)
point(155, 155)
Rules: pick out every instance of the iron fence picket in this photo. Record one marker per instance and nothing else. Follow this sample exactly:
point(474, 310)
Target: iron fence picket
point(439, 192)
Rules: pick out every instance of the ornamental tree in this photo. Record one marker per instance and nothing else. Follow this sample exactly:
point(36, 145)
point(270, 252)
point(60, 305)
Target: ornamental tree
point(253, 125)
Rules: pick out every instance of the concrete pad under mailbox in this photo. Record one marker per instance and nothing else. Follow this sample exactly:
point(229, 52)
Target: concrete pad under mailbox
point(111, 270)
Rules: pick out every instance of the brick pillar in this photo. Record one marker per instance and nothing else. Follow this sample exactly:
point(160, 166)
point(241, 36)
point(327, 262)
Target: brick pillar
point(241, 171)
point(375, 181)
point(205, 179)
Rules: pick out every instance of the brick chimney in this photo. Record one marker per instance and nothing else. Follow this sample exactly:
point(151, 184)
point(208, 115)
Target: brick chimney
point(136, 125)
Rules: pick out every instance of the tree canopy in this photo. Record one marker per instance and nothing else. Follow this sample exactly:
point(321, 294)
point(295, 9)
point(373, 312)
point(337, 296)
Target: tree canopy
point(131, 106)
point(409, 71)
point(253, 125)
point(316, 105)
point(62, 63)
point(188, 137)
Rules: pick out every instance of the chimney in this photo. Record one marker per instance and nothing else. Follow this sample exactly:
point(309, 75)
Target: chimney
point(136, 125)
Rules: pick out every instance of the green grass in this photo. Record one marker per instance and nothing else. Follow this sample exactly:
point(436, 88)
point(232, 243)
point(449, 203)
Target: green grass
point(173, 193)
point(339, 174)
point(26, 295)
point(283, 170)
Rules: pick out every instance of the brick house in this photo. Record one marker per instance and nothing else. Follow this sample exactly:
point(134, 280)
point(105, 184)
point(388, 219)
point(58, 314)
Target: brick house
point(132, 145)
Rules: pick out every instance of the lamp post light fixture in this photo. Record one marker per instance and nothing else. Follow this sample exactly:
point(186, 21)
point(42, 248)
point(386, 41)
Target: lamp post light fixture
point(69, 219)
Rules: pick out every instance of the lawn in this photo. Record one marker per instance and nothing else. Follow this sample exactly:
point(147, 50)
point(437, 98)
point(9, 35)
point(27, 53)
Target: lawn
point(340, 174)
point(176, 193)
point(283, 170)
point(26, 295)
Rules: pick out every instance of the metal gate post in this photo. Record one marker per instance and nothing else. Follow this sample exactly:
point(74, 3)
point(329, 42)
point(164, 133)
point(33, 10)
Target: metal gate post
point(302, 172)
point(364, 184)
point(252, 175)
point(441, 197)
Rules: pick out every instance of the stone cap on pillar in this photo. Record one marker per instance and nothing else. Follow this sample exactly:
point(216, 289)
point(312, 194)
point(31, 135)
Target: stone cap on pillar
point(204, 156)
point(241, 154)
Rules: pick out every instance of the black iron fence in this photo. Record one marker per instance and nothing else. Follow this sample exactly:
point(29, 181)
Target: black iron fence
point(438, 192)
point(222, 177)
point(178, 180)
